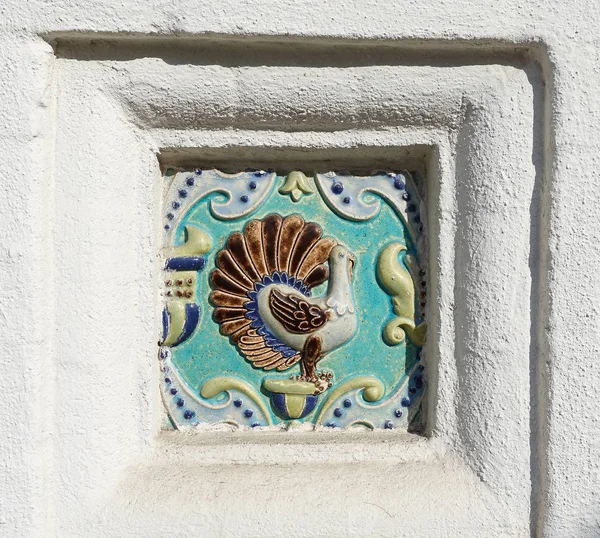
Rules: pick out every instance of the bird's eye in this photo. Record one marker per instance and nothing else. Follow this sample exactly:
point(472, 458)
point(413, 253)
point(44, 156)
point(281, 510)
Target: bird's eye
point(341, 254)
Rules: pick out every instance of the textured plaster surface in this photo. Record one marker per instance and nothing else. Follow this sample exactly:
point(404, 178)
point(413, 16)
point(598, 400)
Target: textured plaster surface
point(497, 100)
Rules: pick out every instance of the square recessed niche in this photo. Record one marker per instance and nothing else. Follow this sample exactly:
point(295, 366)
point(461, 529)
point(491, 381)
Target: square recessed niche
point(293, 298)
point(472, 126)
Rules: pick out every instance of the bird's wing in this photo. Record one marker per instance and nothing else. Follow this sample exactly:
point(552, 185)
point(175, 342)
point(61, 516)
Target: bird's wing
point(295, 313)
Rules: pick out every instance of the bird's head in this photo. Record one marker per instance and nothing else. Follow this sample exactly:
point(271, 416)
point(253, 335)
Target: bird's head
point(341, 255)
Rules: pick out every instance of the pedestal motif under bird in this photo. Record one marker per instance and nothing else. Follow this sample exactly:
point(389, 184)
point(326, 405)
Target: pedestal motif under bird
point(262, 295)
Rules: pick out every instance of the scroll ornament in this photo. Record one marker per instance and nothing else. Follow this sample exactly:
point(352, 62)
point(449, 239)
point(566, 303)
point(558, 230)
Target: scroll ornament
point(398, 282)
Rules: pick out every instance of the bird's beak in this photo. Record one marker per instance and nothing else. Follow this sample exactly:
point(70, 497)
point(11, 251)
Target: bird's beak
point(352, 259)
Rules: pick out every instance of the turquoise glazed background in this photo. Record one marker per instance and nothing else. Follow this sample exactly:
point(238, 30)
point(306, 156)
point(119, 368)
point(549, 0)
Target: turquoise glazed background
point(207, 353)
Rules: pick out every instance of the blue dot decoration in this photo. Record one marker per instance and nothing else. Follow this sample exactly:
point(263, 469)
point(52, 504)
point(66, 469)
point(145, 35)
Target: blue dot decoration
point(412, 389)
point(398, 413)
point(331, 424)
point(338, 412)
point(389, 425)
point(255, 424)
point(399, 183)
point(252, 185)
point(170, 216)
point(173, 391)
point(406, 402)
point(198, 172)
point(167, 226)
point(189, 414)
point(421, 367)
point(190, 181)
point(337, 188)
point(237, 402)
point(164, 353)
point(347, 403)
point(418, 379)
point(411, 207)
point(406, 196)
point(260, 173)
point(180, 402)
point(248, 413)
point(167, 380)
point(244, 199)
point(176, 205)
point(347, 200)
point(182, 193)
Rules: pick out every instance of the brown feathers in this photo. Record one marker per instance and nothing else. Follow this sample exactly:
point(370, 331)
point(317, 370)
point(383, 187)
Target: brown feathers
point(270, 232)
point(311, 261)
point(272, 245)
point(294, 313)
point(290, 229)
point(304, 243)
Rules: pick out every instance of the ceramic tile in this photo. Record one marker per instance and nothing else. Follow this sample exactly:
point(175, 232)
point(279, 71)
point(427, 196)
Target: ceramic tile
point(293, 300)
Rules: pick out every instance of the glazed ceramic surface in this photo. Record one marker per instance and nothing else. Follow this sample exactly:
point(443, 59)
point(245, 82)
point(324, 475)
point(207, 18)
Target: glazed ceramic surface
point(293, 300)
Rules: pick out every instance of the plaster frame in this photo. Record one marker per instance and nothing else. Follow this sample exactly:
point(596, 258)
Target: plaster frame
point(480, 126)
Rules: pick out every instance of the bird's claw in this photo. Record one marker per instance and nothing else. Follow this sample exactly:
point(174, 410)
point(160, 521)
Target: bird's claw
point(322, 381)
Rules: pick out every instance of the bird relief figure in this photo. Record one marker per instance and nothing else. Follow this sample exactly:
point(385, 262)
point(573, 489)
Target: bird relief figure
point(262, 295)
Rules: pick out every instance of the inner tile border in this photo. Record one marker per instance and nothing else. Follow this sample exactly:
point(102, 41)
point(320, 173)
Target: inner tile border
point(284, 293)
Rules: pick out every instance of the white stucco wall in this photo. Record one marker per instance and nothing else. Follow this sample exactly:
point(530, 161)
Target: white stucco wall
point(497, 100)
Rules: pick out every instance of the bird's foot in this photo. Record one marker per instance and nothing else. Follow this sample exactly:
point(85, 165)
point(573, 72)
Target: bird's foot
point(321, 386)
point(322, 381)
point(306, 378)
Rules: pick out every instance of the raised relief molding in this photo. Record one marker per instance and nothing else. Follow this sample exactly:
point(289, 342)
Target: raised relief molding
point(262, 299)
point(468, 128)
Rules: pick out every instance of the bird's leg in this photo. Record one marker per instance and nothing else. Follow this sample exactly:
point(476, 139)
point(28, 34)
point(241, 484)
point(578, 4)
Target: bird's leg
point(310, 355)
point(304, 375)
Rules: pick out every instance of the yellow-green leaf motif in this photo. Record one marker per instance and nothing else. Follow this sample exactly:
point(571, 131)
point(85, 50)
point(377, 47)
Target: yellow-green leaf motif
point(296, 185)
